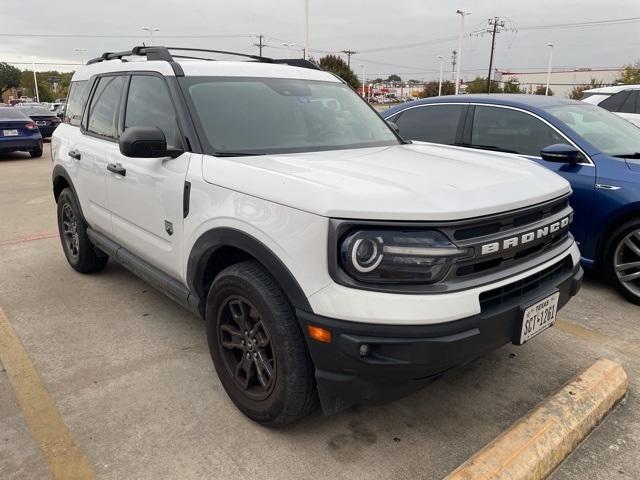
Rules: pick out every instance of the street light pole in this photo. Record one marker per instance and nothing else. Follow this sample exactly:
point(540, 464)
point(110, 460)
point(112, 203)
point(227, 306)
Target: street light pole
point(151, 30)
point(462, 15)
point(81, 52)
point(441, 58)
point(546, 90)
point(35, 79)
point(364, 83)
point(306, 29)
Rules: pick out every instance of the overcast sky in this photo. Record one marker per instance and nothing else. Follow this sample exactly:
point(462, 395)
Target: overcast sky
point(364, 26)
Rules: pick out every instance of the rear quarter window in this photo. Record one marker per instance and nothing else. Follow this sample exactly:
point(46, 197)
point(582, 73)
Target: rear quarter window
point(78, 94)
point(614, 102)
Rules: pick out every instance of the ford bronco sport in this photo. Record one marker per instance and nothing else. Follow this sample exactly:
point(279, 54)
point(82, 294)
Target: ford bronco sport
point(330, 259)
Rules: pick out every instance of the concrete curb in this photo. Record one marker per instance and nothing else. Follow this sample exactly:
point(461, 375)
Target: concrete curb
point(535, 445)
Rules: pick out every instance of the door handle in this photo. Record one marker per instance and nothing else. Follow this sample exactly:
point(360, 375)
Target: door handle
point(75, 154)
point(117, 169)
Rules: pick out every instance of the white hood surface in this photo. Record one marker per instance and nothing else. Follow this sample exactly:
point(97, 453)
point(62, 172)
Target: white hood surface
point(403, 182)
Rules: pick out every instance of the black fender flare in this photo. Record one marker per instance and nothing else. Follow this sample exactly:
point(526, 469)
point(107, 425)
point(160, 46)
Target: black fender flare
point(209, 242)
point(60, 172)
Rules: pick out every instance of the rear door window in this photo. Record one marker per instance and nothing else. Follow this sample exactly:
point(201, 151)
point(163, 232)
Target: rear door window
point(104, 106)
point(431, 123)
point(512, 131)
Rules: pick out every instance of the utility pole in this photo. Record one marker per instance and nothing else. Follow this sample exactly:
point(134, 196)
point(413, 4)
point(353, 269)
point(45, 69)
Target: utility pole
point(454, 60)
point(260, 44)
point(35, 79)
point(348, 53)
point(546, 90)
point(462, 14)
point(306, 29)
point(495, 24)
point(441, 58)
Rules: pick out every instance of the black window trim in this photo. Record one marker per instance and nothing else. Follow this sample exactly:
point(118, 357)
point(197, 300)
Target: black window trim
point(458, 140)
point(87, 111)
point(587, 163)
point(127, 86)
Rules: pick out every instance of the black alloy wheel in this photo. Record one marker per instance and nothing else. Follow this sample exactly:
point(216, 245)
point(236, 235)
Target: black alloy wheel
point(245, 347)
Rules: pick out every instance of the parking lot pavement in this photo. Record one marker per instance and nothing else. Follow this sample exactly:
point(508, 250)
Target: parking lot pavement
point(130, 373)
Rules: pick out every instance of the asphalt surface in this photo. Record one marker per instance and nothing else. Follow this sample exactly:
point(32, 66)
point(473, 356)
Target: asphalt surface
point(130, 373)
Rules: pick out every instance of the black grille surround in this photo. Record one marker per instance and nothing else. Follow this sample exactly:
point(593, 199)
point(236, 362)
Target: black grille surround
point(480, 266)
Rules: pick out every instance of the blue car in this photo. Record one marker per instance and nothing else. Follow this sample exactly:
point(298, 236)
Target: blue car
point(595, 150)
point(18, 132)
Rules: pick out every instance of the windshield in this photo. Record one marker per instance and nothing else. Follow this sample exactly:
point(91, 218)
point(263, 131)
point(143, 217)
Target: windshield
point(274, 115)
point(609, 133)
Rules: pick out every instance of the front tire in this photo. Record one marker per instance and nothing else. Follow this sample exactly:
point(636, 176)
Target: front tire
point(622, 260)
point(257, 347)
point(80, 252)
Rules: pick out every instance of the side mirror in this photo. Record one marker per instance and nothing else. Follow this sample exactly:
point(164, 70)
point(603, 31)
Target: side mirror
point(145, 142)
point(560, 153)
point(394, 126)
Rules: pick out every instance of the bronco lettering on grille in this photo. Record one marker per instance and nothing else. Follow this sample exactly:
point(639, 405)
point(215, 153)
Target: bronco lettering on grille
point(521, 239)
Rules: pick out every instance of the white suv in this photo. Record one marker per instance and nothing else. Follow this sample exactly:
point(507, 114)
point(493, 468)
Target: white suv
point(329, 258)
point(623, 100)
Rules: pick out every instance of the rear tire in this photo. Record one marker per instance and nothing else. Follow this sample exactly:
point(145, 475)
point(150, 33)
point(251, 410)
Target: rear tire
point(257, 348)
point(80, 252)
point(622, 260)
point(36, 153)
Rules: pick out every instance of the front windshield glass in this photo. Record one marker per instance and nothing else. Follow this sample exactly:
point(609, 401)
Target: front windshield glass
point(607, 132)
point(280, 115)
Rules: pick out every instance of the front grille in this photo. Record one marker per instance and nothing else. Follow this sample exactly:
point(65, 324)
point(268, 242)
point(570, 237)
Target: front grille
point(500, 228)
point(498, 296)
point(508, 222)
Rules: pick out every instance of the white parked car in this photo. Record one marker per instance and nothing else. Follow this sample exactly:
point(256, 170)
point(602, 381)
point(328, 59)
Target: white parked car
point(623, 100)
point(329, 258)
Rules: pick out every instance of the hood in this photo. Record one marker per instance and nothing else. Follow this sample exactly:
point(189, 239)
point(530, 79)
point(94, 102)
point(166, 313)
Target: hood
point(402, 182)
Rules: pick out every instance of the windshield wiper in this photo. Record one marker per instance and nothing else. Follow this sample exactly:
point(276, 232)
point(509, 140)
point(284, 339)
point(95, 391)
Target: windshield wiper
point(237, 154)
point(628, 155)
point(487, 147)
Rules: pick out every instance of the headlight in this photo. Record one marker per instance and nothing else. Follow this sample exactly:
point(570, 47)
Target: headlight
point(397, 256)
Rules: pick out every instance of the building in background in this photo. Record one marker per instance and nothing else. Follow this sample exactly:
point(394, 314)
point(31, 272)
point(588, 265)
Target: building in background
point(562, 80)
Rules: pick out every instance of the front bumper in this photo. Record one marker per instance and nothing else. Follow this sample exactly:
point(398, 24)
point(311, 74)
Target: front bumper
point(403, 358)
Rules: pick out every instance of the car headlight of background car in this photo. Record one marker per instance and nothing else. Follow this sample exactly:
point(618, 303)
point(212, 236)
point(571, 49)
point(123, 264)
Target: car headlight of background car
point(397, 256)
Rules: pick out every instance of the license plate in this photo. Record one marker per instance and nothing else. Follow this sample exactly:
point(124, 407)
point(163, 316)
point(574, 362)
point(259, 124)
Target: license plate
point(10, 133)
point(41, 123)
point(538, 317)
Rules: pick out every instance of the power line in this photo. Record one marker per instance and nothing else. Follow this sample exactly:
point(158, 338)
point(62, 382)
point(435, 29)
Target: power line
point(594, 23)
point(93, 35)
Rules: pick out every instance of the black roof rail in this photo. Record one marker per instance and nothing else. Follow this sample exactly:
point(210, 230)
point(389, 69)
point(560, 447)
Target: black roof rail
point(164, 54)
point(152, 53)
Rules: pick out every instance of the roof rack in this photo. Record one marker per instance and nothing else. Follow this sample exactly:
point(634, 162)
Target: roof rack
point(164, 54)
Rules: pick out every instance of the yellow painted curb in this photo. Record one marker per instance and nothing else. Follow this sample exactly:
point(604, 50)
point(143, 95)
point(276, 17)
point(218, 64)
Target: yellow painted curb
point(535, 445)
point(60, 450)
